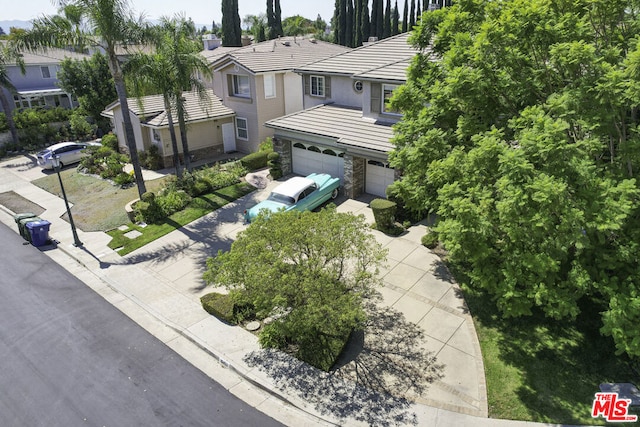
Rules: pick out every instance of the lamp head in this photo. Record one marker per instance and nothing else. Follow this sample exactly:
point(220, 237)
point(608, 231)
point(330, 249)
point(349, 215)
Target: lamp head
point(55, 161)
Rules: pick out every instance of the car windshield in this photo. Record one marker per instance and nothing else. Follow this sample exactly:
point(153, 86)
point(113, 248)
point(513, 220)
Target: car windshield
point(281, 198)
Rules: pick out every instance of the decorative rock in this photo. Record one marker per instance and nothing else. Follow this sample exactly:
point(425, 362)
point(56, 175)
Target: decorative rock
point(253, 326)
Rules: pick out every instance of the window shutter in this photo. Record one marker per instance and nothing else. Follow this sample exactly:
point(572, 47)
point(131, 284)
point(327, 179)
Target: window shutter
point(327, 87)
point(376, 95)
point(307, 84)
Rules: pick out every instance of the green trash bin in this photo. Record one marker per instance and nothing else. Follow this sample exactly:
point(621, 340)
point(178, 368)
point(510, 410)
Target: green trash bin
point(19, 217)
point(22, 226)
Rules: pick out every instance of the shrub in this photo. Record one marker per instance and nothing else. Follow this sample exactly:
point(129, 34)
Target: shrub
point(384, 213)
point(255, 161)
point(123, 179)
point(402, 212)
point(266, 145)
point(149, 212)
point(273, 161)
point(172, 201)
point(110, 141)
point(150, 158)
point(430, 240)
point(272, 337)
point(80, 127)
point(219, 305)
point(148, 197)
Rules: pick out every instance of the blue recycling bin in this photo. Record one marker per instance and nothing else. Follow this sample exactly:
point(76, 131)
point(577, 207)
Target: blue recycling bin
point(39, 232)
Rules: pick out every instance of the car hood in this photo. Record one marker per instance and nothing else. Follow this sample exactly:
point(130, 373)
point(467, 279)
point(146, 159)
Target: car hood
point(269, 205)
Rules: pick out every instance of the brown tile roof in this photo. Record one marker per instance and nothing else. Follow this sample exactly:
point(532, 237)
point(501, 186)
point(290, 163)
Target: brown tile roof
point(51, 56)
point(152, 112)
point(345, 124)
point(285, 53)
point(376, 55)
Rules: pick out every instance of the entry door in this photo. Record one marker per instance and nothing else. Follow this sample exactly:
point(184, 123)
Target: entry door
point(228, 137)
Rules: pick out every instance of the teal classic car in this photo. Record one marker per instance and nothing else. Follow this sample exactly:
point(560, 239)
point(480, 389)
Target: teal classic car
point(303, 194)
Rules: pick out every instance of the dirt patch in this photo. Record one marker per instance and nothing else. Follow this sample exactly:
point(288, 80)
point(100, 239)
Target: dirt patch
point(18, 204)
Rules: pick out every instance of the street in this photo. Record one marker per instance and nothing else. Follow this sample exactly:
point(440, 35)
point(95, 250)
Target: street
point(69, 358)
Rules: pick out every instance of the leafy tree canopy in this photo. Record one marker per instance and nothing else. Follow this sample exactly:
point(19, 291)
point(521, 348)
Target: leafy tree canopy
point(90, 81)
point(316, 268)
point(521, 132)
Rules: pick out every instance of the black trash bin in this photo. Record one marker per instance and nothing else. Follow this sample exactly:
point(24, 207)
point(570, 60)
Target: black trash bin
point(18, 219)
point(39, 231)
point(22, 226)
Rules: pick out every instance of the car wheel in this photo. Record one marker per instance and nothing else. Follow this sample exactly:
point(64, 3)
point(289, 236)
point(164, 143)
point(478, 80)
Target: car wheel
point(334, 193)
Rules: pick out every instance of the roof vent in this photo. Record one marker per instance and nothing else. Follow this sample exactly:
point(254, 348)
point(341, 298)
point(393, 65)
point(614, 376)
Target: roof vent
point(286, 43)
point(313, 40)
point(372, 39)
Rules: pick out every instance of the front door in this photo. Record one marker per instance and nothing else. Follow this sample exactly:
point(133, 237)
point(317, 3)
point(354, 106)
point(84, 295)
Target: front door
point(228, 137)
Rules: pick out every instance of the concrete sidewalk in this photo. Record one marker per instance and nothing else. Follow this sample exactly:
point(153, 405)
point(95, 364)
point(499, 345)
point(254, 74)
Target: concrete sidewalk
point(422, 312)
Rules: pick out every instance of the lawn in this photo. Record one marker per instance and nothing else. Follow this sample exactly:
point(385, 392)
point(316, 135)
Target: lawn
point(97, 204)
point(544, 370)
point(198, 207)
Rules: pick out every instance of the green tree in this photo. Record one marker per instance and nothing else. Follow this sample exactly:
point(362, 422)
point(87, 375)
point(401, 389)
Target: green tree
point(364, 21)
point(386, 32)
point(348, 25)
point(395, 20)
point(297, 25)
point(277, 18)
point(256, 25)
point(412, 15)
point(523, 139)
point(9, 55)
point(357, 23)
point(418, 12)
point(405, 17)
point(301, 278)
point(231, 31)
point(377, 19)
point(272, 32)
point(90, 81)
point(115, 26)
point(176, 44)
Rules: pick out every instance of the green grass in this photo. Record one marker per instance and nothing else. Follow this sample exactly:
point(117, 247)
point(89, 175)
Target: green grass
point(97, 204)
point(198, 207)
point(542, 370)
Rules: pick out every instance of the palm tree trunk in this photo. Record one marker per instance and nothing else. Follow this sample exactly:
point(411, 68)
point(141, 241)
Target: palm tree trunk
point(9, 114)
point(130, 137)
point(174, 141)
point(183, 133)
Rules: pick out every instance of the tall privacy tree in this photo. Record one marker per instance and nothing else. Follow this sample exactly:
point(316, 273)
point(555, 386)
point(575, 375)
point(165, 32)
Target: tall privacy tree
point(386, 32)
point(364, 21)
point(348, 30)
point(108, 24)
point(357, 24)
point(418, 12)
point(277, 17)
point(395, 20)
point(412, 15)
point(405, 16)
point(272, 31)
point(231, 31)
point(524, 139)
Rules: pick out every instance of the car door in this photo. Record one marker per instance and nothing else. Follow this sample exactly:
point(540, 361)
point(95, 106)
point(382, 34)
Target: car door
point(75, 153)
point(308, 198)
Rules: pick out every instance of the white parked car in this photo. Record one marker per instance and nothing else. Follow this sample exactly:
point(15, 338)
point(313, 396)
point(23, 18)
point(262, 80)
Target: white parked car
point(69, 152)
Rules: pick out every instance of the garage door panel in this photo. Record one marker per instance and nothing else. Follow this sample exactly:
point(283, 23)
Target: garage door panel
point(306, 162)
point(378, 178)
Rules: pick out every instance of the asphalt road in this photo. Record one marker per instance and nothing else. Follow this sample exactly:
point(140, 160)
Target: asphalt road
point(69, 358)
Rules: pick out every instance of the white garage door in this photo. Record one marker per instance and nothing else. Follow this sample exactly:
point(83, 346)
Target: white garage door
point(379, 177)
point(308, 159)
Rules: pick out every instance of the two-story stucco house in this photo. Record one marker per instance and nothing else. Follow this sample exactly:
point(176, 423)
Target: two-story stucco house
point(346, 125)
point(258, 82)
point(39, 85)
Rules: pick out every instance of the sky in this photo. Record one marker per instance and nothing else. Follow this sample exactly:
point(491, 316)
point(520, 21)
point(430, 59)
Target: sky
point(203, 12)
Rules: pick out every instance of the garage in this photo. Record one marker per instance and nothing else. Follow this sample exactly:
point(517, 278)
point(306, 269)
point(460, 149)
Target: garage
point(308, 159)
point(378, 177)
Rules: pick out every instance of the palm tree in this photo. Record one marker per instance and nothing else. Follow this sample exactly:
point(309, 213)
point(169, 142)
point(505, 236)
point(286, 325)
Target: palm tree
point(108, 24)
point(9, 55)
point(154, 73)
point(177, 45)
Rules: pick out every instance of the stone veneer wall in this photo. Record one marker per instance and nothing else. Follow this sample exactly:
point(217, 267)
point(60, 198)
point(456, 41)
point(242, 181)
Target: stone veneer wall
point(354, 175)
point(283, 147)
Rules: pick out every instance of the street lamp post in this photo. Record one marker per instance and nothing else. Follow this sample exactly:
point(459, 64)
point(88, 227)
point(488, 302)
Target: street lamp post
point(56, 165)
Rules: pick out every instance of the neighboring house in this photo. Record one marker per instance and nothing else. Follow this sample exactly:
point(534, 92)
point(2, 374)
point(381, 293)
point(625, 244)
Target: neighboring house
point(346, 126)
point(258, 82)
point(210, 126)
point(38, 87)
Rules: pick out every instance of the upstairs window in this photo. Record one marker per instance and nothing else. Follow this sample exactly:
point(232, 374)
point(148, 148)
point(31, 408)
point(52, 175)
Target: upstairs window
point(317, 85)
point(46, 73)
point(387, 93)
point(241, 86)
point(269, 86)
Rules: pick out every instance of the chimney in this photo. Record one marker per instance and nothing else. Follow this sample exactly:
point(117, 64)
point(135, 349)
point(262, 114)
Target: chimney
point(210, 41)
point(246, 40)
